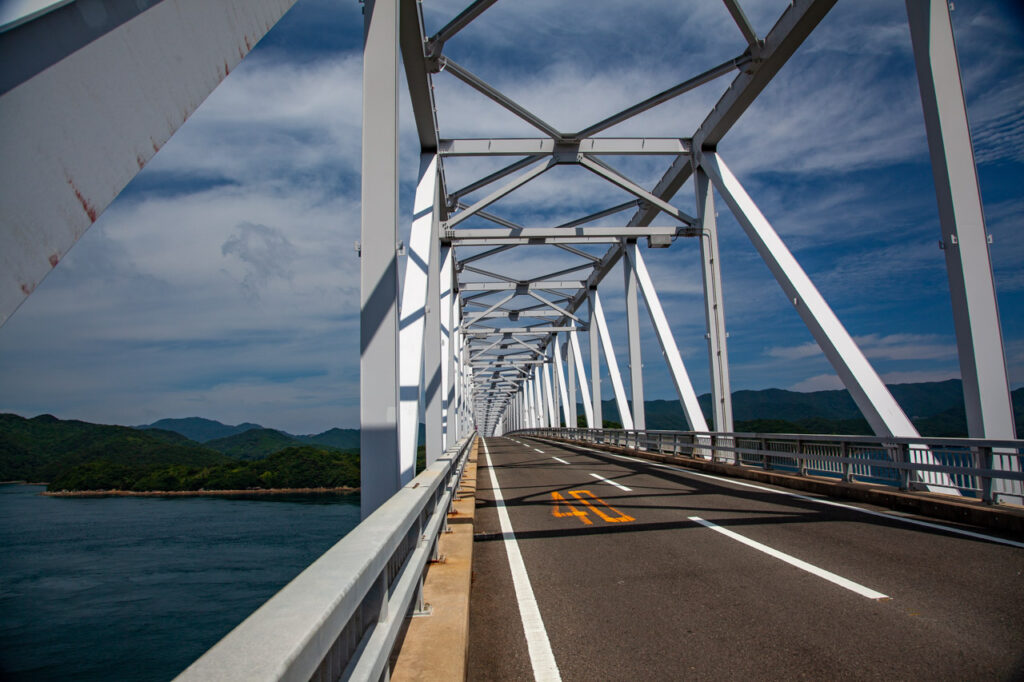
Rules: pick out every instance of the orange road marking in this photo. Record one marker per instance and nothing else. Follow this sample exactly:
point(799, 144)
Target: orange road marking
point(573, 511)
point(621, 518)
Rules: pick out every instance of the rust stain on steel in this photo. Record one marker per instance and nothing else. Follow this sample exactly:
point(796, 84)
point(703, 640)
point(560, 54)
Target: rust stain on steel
point(139, 160)
point(27, 288)
point(54, 259)
point(89, 209)
point(248, 45)
point(156, 147)
point(227, 71)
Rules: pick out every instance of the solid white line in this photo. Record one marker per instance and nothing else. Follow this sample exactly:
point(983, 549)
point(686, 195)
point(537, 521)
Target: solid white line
point(817, 500)
point(560, 460)
point(541, 657)
point(793, 561)
point(608, 480)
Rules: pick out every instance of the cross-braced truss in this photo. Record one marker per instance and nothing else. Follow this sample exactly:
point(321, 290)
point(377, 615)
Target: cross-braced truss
point(500, 350)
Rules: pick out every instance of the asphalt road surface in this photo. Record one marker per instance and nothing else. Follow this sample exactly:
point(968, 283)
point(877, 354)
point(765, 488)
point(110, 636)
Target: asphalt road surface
point(612, 568)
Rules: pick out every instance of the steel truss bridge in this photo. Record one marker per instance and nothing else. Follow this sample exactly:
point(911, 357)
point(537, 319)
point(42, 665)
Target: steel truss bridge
point(463, 338)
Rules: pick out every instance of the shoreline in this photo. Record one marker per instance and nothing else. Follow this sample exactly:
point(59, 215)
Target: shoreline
point(200, 493)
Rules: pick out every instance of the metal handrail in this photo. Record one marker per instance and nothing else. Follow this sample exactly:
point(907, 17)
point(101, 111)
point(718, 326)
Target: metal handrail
point(340, 617)
point(966, 463)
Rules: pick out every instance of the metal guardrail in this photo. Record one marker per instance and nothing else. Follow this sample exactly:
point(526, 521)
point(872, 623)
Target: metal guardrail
point(340, 618)
point(966, 464)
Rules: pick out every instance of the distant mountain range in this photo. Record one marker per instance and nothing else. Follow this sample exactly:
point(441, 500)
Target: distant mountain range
point(936, 409)
point(45, 448)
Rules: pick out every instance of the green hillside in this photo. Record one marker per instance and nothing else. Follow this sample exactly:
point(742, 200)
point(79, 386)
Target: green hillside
point(294, 467)
point(342, 439)
point(253, 444)
point(39, 449)
point(200, 430)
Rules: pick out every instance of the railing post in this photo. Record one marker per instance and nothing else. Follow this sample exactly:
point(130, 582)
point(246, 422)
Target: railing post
point(844, 452)
point(800, 460)
point(901, 454)
point(763, 447)
point(985, 462)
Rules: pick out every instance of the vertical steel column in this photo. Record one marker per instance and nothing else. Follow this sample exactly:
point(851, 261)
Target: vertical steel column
point(570, 361)
point(964, 236)
point(636, 374)
point(681, 379)
point(378, 318)
point(567, 412)
point(613, 365)
point(714, 310)
point(434, 349)
point(549, 395)
point(577, 356)
point(447, 298)
point(412, 320)
point(455, 395)
point(597, 419)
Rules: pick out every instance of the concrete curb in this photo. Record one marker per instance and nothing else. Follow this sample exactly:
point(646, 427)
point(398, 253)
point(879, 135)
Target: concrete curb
point(436, 647)
point(970, 512)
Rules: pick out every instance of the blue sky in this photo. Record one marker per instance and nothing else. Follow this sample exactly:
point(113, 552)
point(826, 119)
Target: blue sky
point(223, 281)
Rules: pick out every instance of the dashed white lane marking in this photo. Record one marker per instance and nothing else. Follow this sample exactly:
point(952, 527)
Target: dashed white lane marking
point(817, 500)
point(793, 561)
point(560, 460)
point(611, 482)
point(541, 657)
point(537, 450)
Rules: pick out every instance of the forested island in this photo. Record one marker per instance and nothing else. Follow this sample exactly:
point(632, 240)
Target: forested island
point(76, 456)
point(195, 455)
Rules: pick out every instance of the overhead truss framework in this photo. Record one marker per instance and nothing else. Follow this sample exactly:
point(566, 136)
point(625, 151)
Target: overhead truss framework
point(511, 343)
point(471, 338)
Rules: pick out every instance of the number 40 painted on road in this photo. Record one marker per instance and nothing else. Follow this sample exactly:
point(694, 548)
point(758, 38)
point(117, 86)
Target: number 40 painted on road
point(581, 514)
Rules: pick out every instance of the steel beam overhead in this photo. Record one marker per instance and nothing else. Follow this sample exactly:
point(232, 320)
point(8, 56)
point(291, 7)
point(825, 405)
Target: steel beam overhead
point(523, 286)
point(964, 236)
point(740, 17)
point(608, 173)
point(86, 104)
point(618, 208)
point(553, 235)
point(497, 97)
point(417, 74)
point(664, 96)
point(499, 193)
point(495, 176)
point(527, 146)
point(636, 373)
point(463, 19)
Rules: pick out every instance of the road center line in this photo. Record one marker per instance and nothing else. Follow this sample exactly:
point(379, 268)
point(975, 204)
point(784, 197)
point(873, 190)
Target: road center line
point(793, 561)
point(816, 500)
point(560, 460)
point(541, 657)
point(611, 482)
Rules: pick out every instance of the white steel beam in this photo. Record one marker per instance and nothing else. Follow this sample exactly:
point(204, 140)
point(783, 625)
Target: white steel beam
point(378, 325)
point(636, 372)
point(581, 374)
point(529, 146)
point(518, 182)
point(86, 104)
point(597, 418)
point(965, 240)
point(866, 388)
point(680, 377)
point(570, 361)
point(714, 305)
point(549, 394)
point(613, 365)
point(568, 411)
point(412, 318)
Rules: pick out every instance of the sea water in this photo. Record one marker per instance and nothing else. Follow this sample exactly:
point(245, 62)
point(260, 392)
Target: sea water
point(136, 588)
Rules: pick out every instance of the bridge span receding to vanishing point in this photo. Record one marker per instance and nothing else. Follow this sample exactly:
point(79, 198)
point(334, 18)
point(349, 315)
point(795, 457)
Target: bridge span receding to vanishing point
point(494, 331)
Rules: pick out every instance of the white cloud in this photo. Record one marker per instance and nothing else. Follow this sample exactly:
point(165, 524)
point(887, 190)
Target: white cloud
point(819, 382)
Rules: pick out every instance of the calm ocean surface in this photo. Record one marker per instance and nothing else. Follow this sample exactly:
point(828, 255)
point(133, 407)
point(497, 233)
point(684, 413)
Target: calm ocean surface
point(136, 588)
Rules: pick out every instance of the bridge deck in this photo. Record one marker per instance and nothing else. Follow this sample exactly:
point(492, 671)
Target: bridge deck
point(629, 587)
